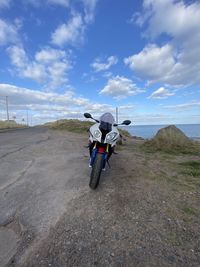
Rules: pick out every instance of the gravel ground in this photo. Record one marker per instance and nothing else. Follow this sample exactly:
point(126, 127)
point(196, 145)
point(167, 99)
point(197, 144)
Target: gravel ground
point(145, 212)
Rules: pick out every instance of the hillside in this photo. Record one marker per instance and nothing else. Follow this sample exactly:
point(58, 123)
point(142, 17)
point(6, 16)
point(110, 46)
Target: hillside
point(76, 126)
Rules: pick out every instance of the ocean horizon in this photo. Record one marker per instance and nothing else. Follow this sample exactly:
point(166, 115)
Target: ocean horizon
point(149, 131)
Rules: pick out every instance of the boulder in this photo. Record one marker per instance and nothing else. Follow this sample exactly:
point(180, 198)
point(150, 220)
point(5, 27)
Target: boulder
point(170, 137)
point(173, 140)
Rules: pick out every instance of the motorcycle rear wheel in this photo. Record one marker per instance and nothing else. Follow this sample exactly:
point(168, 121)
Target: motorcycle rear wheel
point(96, 171)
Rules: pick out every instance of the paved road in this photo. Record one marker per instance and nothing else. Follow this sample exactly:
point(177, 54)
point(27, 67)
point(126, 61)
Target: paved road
point(39, 175)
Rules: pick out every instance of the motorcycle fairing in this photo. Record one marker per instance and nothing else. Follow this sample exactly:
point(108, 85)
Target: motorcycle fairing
point(105, 140)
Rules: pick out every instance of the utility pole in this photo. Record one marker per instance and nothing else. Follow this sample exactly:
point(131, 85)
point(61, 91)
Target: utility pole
point(27, 117)
point(116, 114)
point(7, 108)
point(31, 120)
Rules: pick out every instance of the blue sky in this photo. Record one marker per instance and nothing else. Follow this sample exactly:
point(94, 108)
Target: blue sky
point(60, 58)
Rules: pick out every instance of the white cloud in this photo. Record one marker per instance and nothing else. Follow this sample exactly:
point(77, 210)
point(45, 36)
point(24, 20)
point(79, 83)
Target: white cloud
point(57, 65)
point(43, 105)
point(39, 3)
point(49, 55)
point(180, 57)
point(161, 93)
point(127, 107)
point(120, 87)
point(186, 106)
point(89, 8)
point(152, 62)
point(64, 3)
point(98, 109)
point(47, 106)
point(69, 33)
point(151, 119)
point(100, 66)
point(23, 96)
point(139, 19)
point(5, 3)
point(8, 33)
point(18, 56)
point(35, 72)
point(50, 66)
point(179, 20)
point(73, 32)
point(24, 67)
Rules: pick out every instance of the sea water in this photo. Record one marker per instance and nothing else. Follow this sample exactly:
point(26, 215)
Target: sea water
point(149, 131)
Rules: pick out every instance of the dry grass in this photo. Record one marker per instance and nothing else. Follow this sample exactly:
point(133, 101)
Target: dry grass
point(76, 126)
point(9, 125)
point(124, 133)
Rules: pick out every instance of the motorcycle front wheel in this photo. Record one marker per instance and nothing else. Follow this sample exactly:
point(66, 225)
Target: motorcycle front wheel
point(96, 171)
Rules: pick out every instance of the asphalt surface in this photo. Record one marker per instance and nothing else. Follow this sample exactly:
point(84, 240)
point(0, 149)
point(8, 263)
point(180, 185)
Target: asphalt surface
point(39, 175)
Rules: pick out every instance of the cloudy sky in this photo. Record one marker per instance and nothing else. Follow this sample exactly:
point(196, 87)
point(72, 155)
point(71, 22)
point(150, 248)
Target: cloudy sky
point(60, 58)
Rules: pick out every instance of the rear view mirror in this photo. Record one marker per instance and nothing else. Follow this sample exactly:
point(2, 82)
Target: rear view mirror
point(126, 122)
point(87, 115)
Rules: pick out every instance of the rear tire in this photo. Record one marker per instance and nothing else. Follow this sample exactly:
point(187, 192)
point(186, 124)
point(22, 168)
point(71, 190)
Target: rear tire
point(96, 171)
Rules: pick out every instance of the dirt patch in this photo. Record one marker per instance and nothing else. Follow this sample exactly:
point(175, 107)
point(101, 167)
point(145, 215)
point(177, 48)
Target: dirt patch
point(144, 213)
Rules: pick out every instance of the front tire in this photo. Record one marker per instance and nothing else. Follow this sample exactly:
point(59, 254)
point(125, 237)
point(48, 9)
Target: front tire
point(96, 171)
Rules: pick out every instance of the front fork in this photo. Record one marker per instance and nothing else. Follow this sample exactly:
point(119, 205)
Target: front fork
point(94, 153)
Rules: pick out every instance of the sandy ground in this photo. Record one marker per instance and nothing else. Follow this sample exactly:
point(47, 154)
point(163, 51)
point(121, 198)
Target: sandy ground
point(145, 211)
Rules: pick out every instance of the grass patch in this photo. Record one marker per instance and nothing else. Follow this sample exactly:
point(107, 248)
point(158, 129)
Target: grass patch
point(75, 126)
point(191, 168)
point(192, 164)
point(185, 175)
point(192, 149)
point(190, 210)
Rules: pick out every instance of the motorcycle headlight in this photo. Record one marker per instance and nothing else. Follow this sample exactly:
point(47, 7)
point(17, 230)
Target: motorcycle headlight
point(111, 136)
point(97, 134)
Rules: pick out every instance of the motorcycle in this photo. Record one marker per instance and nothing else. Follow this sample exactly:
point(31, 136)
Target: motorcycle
point(103, 136)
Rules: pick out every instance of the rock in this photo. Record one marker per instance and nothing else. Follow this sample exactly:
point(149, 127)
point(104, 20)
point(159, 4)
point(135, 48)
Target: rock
point(171, 138)
point(171, 135)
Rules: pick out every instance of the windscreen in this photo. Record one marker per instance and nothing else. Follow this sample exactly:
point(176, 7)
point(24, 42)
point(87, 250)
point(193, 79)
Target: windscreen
point(106, 121)
point(107, 117)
